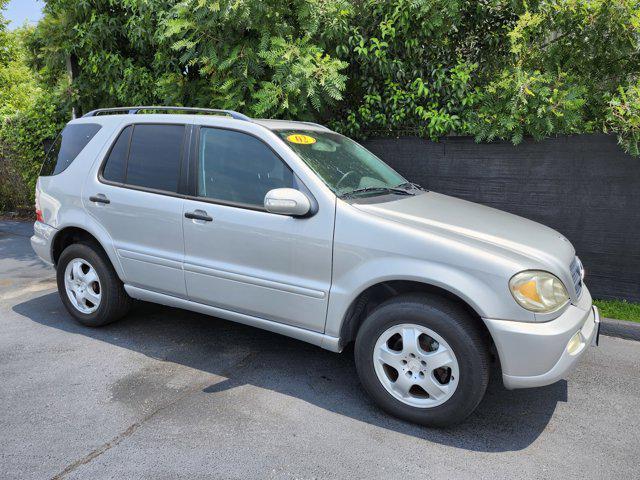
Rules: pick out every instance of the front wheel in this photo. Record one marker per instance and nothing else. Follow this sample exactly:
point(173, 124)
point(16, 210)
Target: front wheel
point(89, 286)
point(424, 359)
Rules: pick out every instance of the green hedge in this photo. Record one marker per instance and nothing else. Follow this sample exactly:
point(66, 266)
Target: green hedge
point(493, 69)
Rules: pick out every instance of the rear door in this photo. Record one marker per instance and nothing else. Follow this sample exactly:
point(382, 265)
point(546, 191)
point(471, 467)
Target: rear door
point(242, 258)
point(136, 196)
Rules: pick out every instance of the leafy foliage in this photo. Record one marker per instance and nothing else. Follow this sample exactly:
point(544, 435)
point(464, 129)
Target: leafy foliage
point(265, 58)
point(523, 103)
point(28, 134)
point(495, 69)
point(414, 66)
point(577, 53)
point(27, 121)
point(303, 77)
point(112, 46)
point(17, 83)
point(623, 117)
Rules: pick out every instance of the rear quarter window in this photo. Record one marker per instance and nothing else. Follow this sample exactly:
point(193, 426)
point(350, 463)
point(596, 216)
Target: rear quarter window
point(73, 139)
point(114, 168)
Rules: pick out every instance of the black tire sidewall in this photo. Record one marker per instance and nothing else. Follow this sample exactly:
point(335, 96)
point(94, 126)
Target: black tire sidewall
point(453, 325)
point(88, 253)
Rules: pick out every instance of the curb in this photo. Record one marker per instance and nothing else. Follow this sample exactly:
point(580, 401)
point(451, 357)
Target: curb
point(620, 329)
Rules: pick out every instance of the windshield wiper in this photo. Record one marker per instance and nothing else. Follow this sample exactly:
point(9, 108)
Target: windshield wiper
point(410, 186)
point(396, 190)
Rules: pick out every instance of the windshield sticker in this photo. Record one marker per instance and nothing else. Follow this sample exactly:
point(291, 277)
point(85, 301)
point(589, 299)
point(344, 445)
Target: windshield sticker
point(301, 139)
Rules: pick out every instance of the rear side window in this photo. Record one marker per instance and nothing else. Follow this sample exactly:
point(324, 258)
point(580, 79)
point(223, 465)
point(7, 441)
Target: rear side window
point(117, 161)
point(147, 155)
point(67, 147)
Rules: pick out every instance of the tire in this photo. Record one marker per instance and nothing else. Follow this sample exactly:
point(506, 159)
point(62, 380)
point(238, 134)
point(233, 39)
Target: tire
point(458, 332)
point(113, 304)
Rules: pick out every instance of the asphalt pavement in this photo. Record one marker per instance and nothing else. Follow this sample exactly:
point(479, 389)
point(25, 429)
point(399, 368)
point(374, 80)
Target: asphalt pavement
point(168, 394)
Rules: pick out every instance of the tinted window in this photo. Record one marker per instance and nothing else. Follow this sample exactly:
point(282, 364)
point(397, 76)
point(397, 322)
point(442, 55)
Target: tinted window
point(114, 168)
point(67, 147)
point(237, 167)
point(154, 156)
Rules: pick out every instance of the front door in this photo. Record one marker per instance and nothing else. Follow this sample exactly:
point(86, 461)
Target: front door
point(134, 197)
point(240, 257)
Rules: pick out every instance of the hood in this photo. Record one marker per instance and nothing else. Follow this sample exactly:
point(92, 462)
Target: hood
point(498, 230)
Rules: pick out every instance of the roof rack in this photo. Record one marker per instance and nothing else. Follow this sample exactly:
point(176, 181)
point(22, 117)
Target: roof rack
point(314, 124)
point(136, 110)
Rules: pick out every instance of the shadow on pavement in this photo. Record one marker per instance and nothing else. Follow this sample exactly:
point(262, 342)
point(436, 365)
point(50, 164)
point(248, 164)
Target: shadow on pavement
point(504, 421)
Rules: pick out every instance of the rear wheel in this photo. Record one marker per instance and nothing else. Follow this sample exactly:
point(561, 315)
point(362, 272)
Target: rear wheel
point(422, 358)
point(89, 286)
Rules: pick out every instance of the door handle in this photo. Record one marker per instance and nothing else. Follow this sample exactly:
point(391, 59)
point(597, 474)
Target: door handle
point(199, 215)
point(100, 198)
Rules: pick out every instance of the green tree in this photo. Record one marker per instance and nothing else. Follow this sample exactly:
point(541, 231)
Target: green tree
point(568, 60)
point(495, 69)
point(416, 66)
point(110, 45)
point(18, 85)
point(29, 118)
point(623, 117)
point(267, 58)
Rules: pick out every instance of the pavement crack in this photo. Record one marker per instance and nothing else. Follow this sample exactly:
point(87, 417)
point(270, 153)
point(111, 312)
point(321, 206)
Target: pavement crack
point(101, 449)
point(242, 363)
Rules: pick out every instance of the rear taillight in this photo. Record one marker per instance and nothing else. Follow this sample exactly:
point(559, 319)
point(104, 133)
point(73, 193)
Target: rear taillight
point(39, 216)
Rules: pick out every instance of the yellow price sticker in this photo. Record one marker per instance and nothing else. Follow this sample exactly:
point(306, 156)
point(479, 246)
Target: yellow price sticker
point(301, 139)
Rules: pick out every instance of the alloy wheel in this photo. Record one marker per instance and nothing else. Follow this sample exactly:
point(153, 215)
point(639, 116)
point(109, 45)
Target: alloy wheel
point(416, 365)
point(82, 285)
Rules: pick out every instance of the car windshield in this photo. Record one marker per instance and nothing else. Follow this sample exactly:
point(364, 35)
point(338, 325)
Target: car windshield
point(346, 167)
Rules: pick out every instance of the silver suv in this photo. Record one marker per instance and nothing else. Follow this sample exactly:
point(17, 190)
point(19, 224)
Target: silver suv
point(293, 228)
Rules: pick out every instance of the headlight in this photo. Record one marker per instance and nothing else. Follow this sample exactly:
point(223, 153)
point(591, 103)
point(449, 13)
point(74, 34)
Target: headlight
point(538, 291)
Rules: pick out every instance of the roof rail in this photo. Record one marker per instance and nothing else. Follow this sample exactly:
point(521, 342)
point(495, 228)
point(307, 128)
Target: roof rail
point(314, 124)
point(136, 110)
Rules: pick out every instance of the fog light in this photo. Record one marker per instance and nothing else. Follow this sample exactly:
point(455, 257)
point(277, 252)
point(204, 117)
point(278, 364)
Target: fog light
point(575, 343)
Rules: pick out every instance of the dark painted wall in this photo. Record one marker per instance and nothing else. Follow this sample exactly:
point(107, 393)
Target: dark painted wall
point(584, 186)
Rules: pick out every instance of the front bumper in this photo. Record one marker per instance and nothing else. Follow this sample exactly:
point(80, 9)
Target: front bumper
point(538, 354)
point(41, 241)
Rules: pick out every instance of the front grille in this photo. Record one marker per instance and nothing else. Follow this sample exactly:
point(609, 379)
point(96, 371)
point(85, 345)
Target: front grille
point(576, 275)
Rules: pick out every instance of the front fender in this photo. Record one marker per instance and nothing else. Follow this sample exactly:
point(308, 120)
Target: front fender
point(481, 293)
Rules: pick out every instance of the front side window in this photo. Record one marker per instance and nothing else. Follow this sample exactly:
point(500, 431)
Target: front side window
point(344, 165)
point(67, 147)
point(238, 168)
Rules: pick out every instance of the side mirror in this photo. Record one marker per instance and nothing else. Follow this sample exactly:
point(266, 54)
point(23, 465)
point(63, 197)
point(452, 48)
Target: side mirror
point(287, 201)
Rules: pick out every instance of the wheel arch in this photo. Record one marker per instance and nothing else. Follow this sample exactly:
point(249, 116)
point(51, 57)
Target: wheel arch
point(73, 233)
point(379, 292)
point(372, 296)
